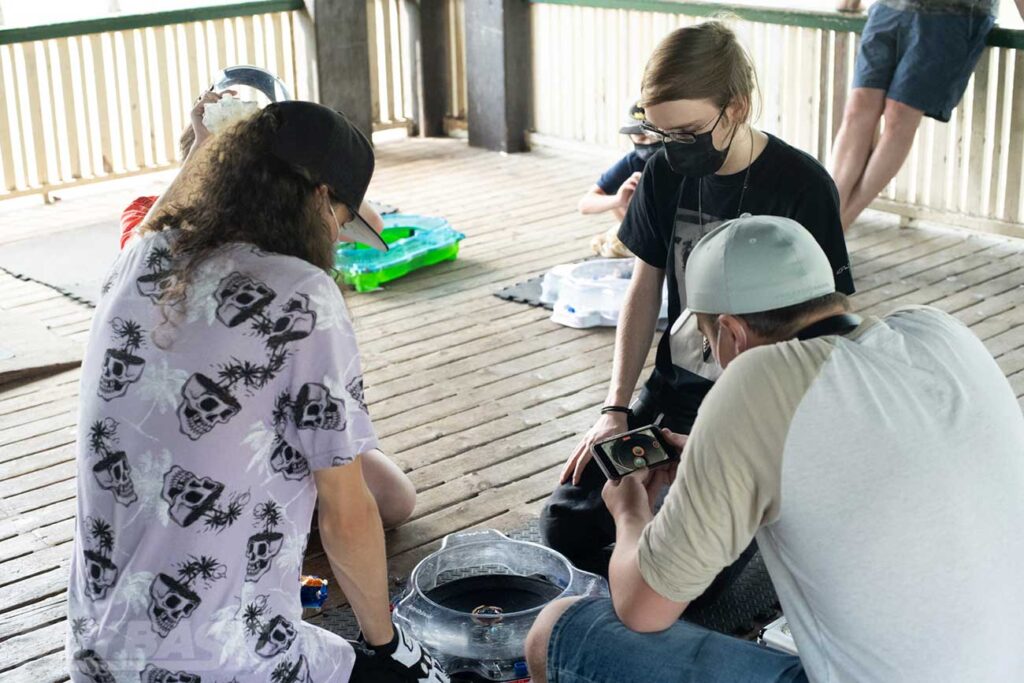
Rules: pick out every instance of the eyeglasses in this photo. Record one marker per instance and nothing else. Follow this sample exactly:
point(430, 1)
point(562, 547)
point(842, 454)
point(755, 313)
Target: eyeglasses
point(660, 135)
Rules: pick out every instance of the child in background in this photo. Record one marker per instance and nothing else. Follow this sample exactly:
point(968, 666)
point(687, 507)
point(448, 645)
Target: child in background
point(614, 189)
point(190, 141)
point(133, 214)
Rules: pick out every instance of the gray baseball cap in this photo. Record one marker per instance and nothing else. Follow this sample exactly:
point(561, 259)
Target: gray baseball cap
point(754, 264)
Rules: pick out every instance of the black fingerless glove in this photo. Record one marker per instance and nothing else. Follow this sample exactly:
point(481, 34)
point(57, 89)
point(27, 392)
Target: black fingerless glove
point(403, 660)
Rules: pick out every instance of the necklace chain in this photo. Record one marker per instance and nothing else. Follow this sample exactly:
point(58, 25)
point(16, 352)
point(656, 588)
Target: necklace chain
point(743, 190)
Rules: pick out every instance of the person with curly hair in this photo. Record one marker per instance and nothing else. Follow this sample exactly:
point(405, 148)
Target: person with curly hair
point(222, 398)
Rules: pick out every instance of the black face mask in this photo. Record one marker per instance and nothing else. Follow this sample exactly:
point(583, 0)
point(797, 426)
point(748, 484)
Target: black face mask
point(699, 158)
point(645, 152)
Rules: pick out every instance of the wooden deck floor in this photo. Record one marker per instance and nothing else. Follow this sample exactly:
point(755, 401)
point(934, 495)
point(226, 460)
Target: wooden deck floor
point(479, 399)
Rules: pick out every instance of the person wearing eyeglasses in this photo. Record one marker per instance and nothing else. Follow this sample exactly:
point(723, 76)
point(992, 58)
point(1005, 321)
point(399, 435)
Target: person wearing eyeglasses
point(713, 165)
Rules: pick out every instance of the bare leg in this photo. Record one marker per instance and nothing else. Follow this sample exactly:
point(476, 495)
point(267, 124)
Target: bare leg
point(540, 634)
point(391, 488)
point(901, 124)
point(855, 138)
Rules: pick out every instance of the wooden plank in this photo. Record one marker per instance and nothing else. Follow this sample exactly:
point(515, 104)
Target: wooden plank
point(54, 404)
point(33, 645)
point(435, 402)
point(56, 556)
point(33, 500)
point(41, 613)
point(37, 428)
point(44, 518)
point(30, 349)
point(21, 466)
point(52, 668)
point(37, 479)
point(33, 589)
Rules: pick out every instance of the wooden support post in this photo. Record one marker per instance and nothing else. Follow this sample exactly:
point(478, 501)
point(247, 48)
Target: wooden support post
point(343, 59)
point(499, 80)
point(433, 73)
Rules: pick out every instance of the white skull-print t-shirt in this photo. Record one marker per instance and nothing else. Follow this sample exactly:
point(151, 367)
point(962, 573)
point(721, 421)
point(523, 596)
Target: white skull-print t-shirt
point(200, 427)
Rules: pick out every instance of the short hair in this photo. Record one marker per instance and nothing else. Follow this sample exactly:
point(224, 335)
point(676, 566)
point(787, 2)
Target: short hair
point(781, 324)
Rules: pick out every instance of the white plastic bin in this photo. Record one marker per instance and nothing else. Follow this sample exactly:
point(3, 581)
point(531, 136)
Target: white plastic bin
point(590, 294)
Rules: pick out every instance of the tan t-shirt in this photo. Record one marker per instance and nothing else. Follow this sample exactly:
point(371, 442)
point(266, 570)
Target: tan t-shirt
point(882, 474)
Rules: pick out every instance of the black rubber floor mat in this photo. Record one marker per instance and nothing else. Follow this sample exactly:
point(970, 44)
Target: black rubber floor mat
point(526, 292)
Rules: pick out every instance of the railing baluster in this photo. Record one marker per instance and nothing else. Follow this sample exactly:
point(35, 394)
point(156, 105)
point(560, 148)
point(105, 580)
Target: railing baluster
point(61, 54)
point(1013, 176)
point(13, 159)
point(375, 57)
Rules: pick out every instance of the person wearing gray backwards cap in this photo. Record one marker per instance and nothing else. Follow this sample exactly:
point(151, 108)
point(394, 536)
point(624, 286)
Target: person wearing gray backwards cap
point(877, 461)
point(222, 400)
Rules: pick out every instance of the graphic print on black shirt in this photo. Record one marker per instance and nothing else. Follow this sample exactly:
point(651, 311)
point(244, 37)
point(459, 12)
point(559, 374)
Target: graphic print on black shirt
point(661, 227)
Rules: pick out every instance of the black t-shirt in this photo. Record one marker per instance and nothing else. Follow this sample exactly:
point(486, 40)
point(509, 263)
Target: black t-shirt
point(619, 172)
point(662, 226)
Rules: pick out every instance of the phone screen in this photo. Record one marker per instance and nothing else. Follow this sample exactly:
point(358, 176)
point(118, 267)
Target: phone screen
point(632, 451)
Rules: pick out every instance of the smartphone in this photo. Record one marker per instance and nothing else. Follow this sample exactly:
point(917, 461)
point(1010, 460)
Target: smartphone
point(634, 450)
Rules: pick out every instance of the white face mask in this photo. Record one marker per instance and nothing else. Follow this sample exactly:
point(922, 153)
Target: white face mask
point(219, 115)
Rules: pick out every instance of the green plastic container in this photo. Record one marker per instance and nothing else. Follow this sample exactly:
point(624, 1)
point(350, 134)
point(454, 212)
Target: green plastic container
point(414, 242)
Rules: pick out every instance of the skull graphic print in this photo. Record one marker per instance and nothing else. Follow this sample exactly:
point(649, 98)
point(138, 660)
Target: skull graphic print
point(202, 423)
point(205, 404)
point(315, 408)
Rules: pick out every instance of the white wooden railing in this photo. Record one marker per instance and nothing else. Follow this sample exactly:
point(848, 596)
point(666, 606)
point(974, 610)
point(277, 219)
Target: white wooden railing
point(456, 37)
point(588, 60)
point(95, 100)
point(391, 63)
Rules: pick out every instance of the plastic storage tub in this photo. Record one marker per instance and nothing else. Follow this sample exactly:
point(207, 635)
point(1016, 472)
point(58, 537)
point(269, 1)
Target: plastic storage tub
point(472, 602)
point(414, 242)
point(590, 294)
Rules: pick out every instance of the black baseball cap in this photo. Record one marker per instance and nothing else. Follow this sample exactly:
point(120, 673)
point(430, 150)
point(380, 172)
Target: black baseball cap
point(324, 145)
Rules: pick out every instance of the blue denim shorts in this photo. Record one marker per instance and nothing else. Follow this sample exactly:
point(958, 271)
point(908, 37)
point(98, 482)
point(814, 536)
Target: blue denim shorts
point(590, 645)
point(922, 59)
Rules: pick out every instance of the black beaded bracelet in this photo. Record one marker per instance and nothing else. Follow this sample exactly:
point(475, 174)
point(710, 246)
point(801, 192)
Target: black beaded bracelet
point(616, 409)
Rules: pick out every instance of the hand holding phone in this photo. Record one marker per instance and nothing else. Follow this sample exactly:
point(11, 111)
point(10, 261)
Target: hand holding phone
point(644, 447)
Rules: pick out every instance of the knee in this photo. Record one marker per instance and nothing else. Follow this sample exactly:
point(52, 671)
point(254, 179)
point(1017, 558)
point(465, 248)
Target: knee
point(400, 504)
point(901, 119)
point(864, 105)
point(539, 637)
point(557, 532)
